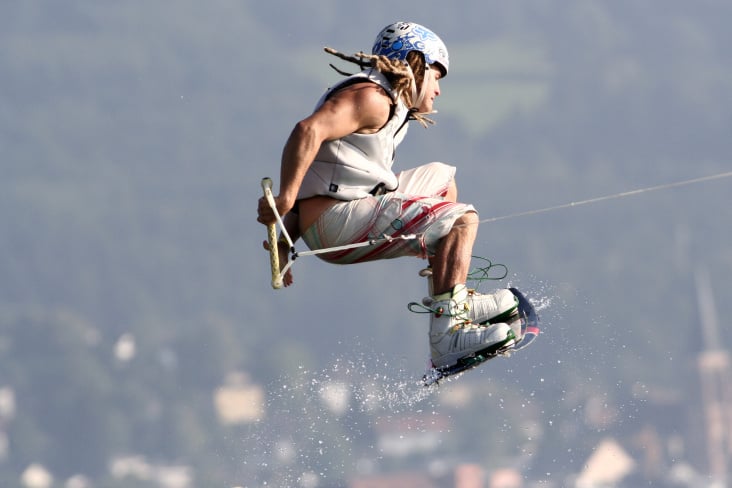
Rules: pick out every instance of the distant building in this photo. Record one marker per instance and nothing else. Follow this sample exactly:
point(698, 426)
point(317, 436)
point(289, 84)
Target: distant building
point(397, 480)
point(506, 478)
point(406, 435)
point(608, 465)
point(239, 402)
point(716, 383)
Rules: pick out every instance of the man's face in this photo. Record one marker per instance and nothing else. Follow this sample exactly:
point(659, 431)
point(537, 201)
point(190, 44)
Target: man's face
point(432, 88)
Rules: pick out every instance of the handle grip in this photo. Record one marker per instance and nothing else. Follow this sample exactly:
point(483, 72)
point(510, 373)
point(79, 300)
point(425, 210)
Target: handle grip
point(274, 256)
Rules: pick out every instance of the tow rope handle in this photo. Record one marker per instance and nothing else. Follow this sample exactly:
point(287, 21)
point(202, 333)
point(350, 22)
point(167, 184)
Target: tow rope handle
point(274, 256)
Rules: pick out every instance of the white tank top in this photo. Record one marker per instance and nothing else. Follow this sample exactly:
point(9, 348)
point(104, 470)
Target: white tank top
point(359, 164)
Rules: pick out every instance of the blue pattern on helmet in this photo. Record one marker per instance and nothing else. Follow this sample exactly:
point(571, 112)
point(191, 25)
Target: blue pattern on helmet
point(397, 40)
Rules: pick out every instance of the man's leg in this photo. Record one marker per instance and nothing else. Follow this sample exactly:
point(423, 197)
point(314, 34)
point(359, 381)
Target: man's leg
point(454, 330)
point(451, 262)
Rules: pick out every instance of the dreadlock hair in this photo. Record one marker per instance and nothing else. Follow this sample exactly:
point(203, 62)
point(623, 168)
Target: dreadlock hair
point(405, 78)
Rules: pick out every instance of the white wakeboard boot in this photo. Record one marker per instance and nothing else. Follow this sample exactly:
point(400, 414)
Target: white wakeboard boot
point(453, 333)
point(500, 306)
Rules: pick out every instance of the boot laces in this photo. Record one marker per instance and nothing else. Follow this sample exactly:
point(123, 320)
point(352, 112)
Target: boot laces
point(478, 275)
point(460, 312)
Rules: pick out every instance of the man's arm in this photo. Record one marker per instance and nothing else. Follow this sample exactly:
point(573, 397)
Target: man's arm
point(362, 108)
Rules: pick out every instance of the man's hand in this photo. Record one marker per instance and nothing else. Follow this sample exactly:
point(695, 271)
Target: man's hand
point(290, 228)
point(265, 214)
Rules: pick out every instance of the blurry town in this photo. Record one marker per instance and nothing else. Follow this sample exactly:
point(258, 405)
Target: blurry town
point(301, 435)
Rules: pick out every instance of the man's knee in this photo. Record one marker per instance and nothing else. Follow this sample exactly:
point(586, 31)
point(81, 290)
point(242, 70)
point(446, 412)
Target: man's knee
point(468, 218)
point(465, 225)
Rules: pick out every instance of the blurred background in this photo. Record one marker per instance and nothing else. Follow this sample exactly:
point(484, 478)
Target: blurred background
point(142, 345)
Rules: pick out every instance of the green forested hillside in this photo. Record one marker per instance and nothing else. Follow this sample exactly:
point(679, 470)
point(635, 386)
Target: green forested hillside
point(133, 286)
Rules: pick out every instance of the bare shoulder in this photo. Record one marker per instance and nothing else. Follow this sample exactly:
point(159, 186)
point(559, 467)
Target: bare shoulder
point(367, 92)
point(366, 102)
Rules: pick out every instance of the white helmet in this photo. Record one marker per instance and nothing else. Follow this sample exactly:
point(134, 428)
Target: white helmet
point(396, 40)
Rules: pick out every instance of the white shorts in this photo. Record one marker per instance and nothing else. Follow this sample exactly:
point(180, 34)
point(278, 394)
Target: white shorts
point(416, 207)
